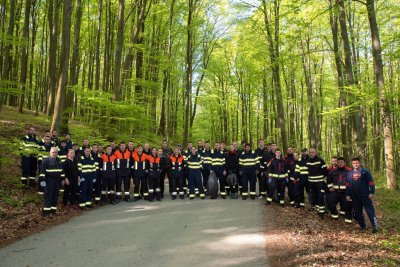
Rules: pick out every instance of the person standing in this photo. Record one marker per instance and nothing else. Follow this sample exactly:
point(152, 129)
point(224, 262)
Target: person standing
point(87, 172)
point(154, 163)
point(70, 197)
point(108, 176)
point(291, 158)
point(248, 169)
point(218, 167)
point(123, 171)
point(194, 164)
point(177, 174)
point(140, 173)
point(360, 190)
point(261, 154)
point(277, 178)
point(301, 179)
point(28, 151)
point(52, 173)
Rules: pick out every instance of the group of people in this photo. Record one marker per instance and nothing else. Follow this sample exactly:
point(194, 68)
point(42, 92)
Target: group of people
point(92, 174)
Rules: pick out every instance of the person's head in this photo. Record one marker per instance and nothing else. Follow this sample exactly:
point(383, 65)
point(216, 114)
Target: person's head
point(261, 143)
point(269, 146)
point(63, 144)
point(313, 153)
point(244, 142)
point(53, 152)
point(278, 153)
point(130, 145)
point(190, 145)
point(247, 147)
point(100, 148)
point(87, 152)
point(235, 144)
point(47, 139)
point(207, 144)
point(122, 146)
point(340, 162)
point(289, 150)
point(176, 151)
point(54, 133)
point(222, 145)
point(32, 130)
point(109, 150)
point(274, 146)
point(139, 149)
point(146, 147)
point(75, 147)
point(86, 142)
point(296, 156)
point(160, 152)
point(304, 152)
point(113, 144)
point(334, 161)
point(71, 154)
point(67, 136)
point(199, 143)
point(356, 163)
point(193, 150)
point(231, 148)
point(95, 148)
point(217, 146)
point(164, 144)
point(154, 151)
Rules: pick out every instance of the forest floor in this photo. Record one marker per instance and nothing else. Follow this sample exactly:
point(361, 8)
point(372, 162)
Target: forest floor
point(297, 236)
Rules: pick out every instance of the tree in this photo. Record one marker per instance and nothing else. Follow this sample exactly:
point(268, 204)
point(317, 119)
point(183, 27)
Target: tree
point(64, 62)
point(24, 54)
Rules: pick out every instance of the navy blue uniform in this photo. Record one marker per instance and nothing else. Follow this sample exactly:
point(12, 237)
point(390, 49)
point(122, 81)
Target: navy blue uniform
point(194, 164)
point(177, 174)
point(262, 185)
point(317, 173)
point(206, 155)
point(301, 182)
point(28, 152)
point(336, 181)
point(359, 185)
point(51, 172)
point(218, 167)
point(248, 165)
point(87, 173)
point(277, 180)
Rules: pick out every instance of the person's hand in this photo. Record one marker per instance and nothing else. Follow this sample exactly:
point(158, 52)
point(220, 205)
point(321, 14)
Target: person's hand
point(62, 183)
point(257, 172)
point(240, 173)
point(224, 173)
point(332, 189)
point(371, 196)
point(348, 198)
point(66, 181)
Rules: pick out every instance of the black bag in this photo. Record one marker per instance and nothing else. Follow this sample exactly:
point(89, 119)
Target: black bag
point(212, 185)
point(232, 179)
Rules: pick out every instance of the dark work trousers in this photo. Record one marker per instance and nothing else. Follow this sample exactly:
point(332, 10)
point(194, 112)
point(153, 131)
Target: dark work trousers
point(142, 183)
point(360, 202)
point(278, 185)
point(177, 179)
point(206, 173)
point(86, 192)
point(118, 185)
point(335, 197)
point(97, 187)
point(291, 190)
point(29, 169)
point(162, 181)
point(317, 190)
point(248, 176)
point(71, 192)
point(219, 172)
point(154, 185)
point(51, 195)
point(127, 184)
point(299, 187)
point(262, 184)
point(193, 180)
point(108, 185)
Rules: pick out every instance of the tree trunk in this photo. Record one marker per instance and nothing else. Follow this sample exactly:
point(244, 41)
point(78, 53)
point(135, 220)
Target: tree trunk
point(7, 52)
point(64, 62)
point(24, 54)
point(385, 112)
point(118, 52)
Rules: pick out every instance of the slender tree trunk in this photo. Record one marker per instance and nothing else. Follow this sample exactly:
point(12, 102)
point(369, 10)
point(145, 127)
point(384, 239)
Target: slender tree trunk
point(64, 62)
point(24, 54)
point(98, 39)
point(385, 112)
point(118, 52)
point(7, 52)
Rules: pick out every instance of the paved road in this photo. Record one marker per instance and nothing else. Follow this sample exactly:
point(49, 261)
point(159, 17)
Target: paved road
point(170, 233)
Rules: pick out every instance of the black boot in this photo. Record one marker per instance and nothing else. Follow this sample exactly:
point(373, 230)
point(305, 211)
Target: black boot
point(126, 198)
point(173, 197)
point(117, 199)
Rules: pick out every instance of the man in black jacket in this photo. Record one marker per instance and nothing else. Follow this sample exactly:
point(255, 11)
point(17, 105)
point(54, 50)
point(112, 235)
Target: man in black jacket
point(71, 174)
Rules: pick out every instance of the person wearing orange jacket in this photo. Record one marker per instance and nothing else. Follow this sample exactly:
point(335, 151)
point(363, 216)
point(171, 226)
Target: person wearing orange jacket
point(123, 171)
point(140, 173)
point(108, 176)
point(154, 165)
point(177, 173)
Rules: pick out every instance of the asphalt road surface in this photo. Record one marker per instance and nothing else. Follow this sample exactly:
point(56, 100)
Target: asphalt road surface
point(168, 233)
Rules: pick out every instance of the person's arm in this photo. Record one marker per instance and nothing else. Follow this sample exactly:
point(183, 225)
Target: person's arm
point(329, 182)
point(371, 183)
point(348, 186)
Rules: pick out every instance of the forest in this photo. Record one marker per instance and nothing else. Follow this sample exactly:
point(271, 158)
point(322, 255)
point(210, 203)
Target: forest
point(302, 73)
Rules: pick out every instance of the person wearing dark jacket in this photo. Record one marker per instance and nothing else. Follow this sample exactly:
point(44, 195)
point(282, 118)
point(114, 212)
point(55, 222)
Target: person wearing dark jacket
point(232, 167)
point(277, 178)
point(108, 176)
point(52, 173)
point(70, 197)
point(360, 190)
point(154, 163)
point(291, 159)
point(177, 174)
point(336, 182)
